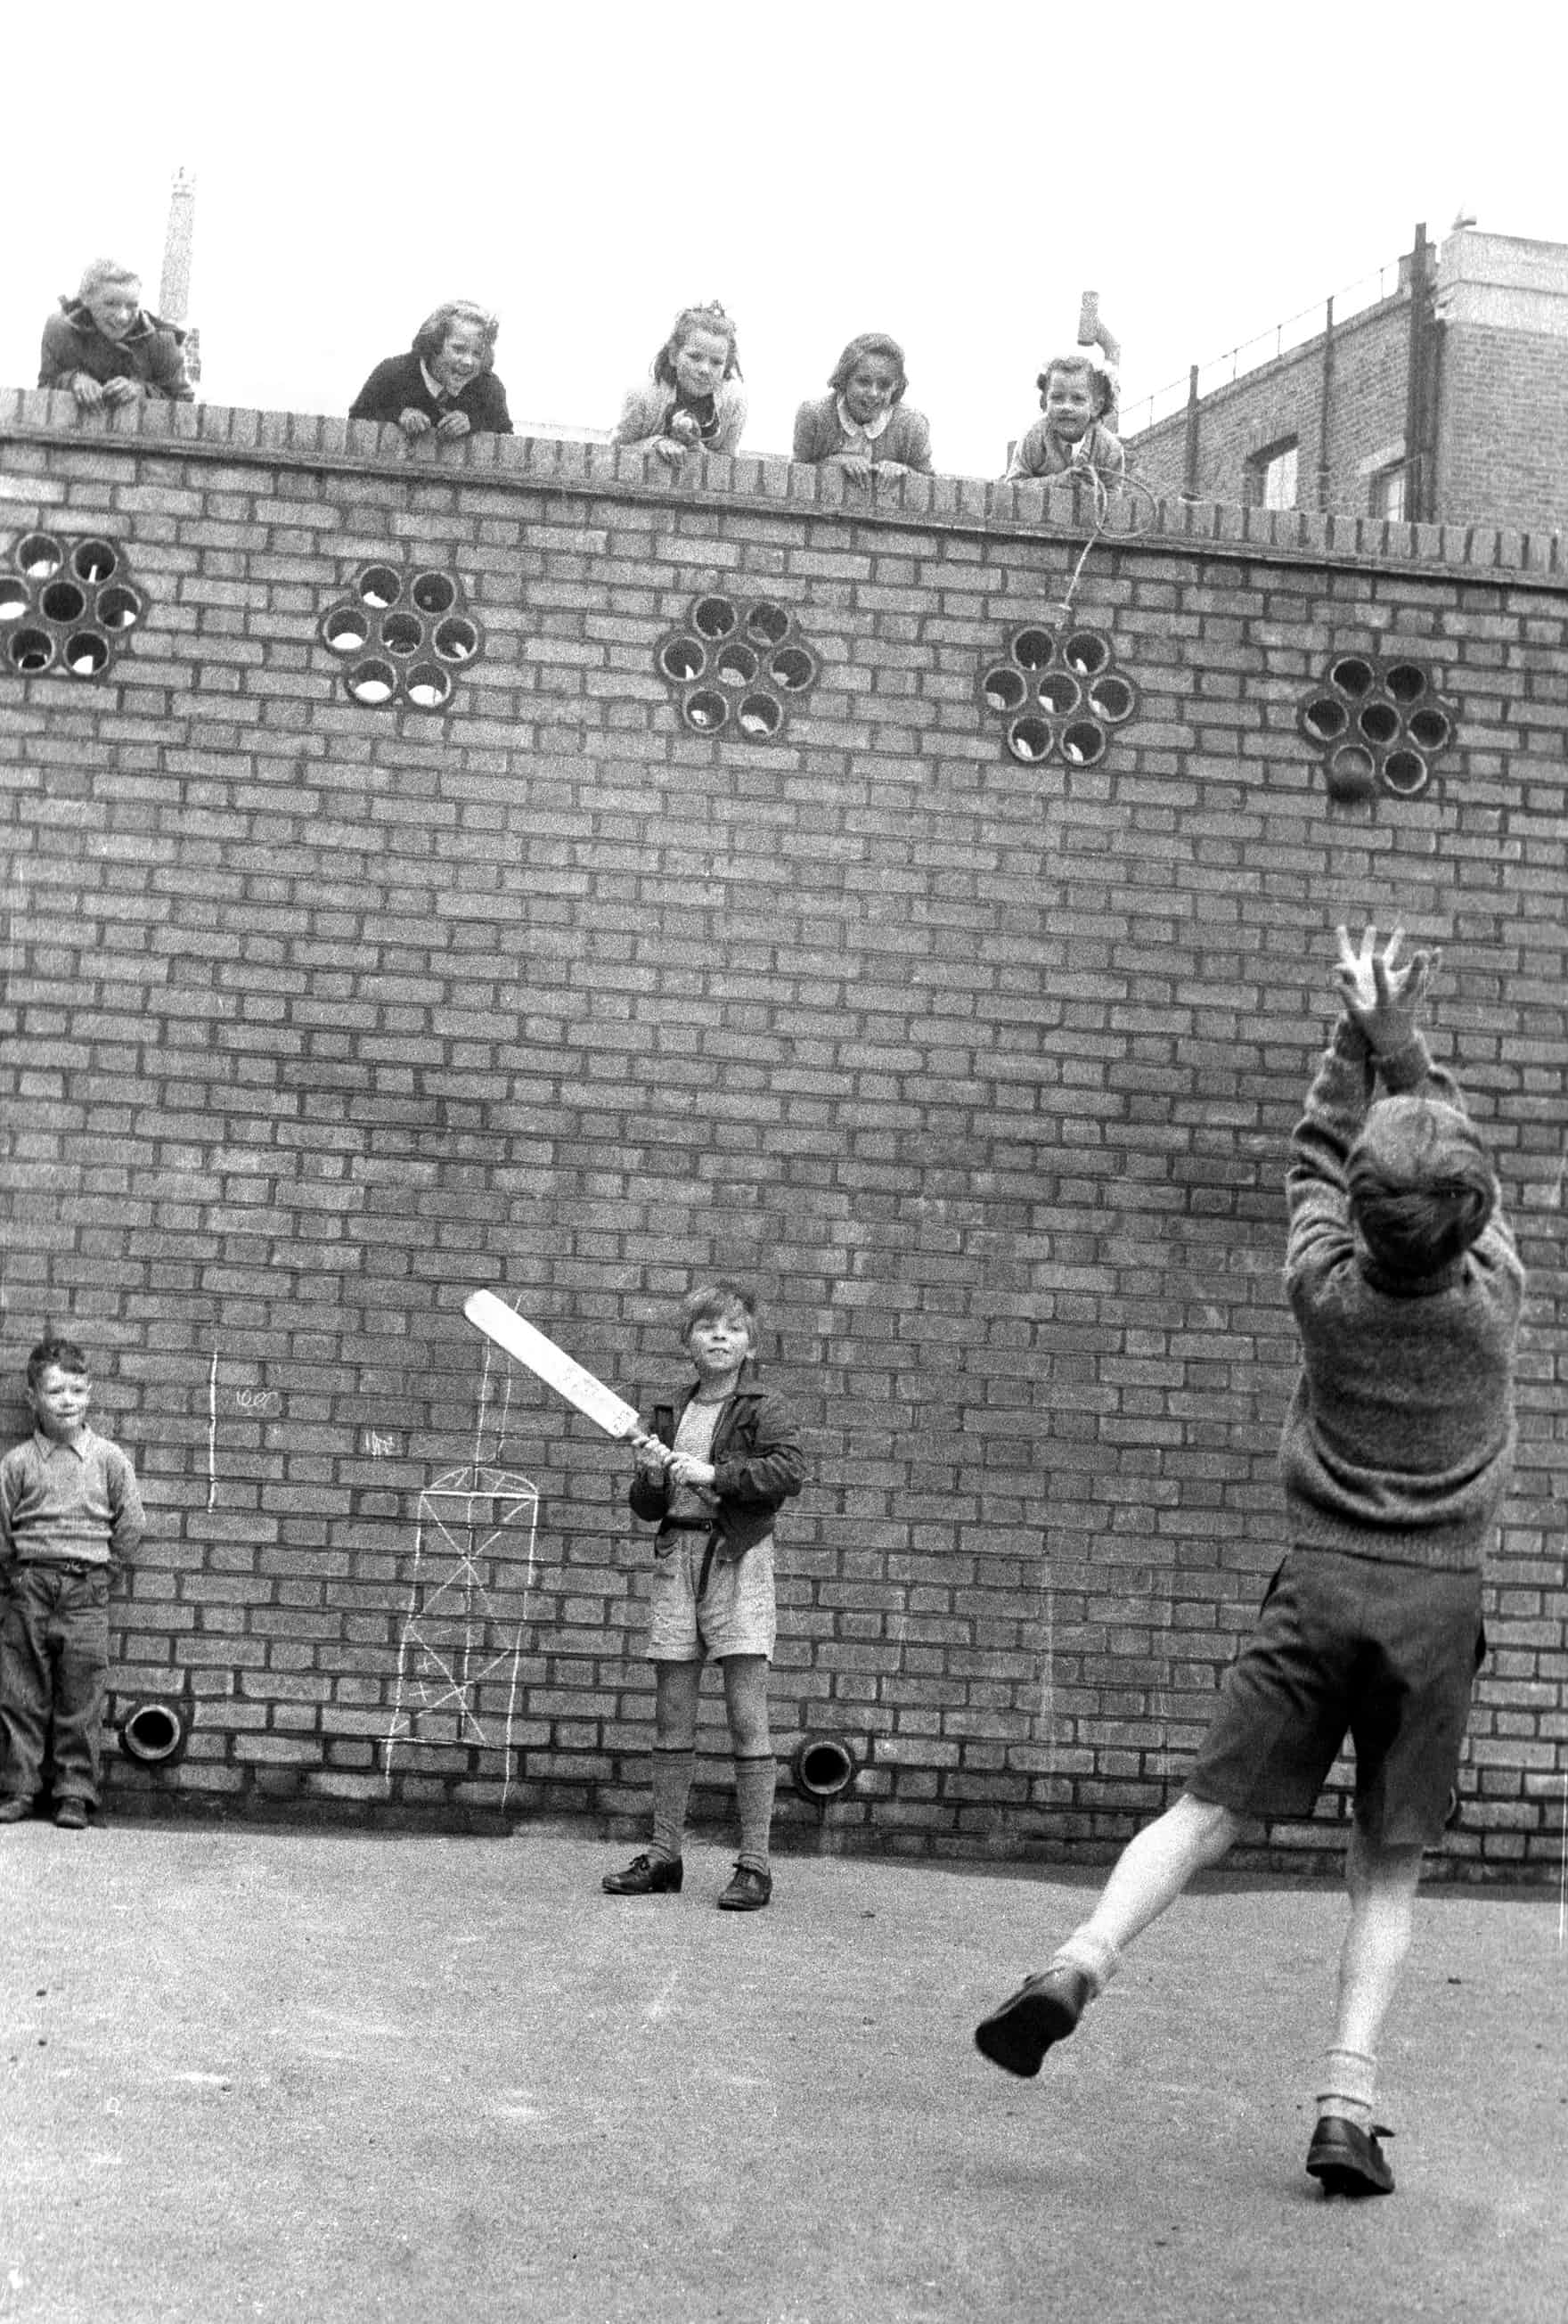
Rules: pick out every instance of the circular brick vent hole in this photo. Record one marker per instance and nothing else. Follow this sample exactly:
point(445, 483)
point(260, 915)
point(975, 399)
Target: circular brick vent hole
point(94, 560)
point(14, 600)
point(1083, 743)
point(434, 592)
point(1325, 717)
point(371, 682)
point(706, 710)
point(1406, 682)
point(1111, 698)
point(62, 601)
point(1353, 676)
point(792, 667)
point(429, 686)
point(40, 555)
point(378, 586)
point(1351, 774)
point(761, 716)
point(119, 608)
point(85, 654)
point(30, 651)
point(1033, 648)
point(1060, 692)
point(714, 618)
point(1380, 722)
point(1004, 689)
point(736, 666)
point(345, 630)
point(456, 639)
point(1430, 728)
point(402, 633)
point(1086, 653)
point(1406, 773)
point(768, 625)
point(1029, 738)
point(682, 659)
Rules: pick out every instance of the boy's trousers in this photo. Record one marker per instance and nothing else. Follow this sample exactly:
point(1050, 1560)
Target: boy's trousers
point(54, 1658)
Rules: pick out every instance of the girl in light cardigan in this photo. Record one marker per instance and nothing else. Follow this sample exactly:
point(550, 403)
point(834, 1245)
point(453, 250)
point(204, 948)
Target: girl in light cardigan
point(863, 425)
point(693, 402)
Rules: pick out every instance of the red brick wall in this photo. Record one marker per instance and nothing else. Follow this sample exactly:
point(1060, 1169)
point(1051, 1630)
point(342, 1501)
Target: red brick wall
point(318, 1016)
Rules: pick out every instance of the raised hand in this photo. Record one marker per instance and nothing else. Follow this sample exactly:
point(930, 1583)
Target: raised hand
point(1380, 997)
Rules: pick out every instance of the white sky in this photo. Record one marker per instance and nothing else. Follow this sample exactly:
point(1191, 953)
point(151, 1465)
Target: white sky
point(956, 174)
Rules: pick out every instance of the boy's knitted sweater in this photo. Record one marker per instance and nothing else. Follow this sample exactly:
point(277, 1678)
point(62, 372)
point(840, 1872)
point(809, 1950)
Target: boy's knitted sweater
point(1399, 1439)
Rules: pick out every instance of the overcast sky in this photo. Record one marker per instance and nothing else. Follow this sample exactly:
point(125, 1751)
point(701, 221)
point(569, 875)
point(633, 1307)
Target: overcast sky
point(956, 174)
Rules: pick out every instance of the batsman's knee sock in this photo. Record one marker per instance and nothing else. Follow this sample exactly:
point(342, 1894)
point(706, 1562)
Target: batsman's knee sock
point(755, 1779)
point(673, 1766)
point(1098, 1958)
point(1350, 2087)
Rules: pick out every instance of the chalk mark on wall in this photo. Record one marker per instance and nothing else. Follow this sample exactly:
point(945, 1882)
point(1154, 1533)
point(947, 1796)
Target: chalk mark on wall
point(212, 1432)
point(460, 1653)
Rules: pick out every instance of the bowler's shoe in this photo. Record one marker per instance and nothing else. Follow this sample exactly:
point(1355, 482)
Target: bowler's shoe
point(1045, 2009)
point(748, 1892)
point(72, 1815)
point(1347, 2159)
point(15, 1810)
point(645, 1875)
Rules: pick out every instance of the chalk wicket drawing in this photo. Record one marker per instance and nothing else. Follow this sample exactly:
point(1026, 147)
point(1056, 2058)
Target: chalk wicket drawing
point(458, 1654)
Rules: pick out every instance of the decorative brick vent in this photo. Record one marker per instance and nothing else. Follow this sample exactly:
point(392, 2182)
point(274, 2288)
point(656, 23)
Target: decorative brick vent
point(1060, 693)
point(404, 637)
point(67, 606)
point(1378, 725)
point(736, 665)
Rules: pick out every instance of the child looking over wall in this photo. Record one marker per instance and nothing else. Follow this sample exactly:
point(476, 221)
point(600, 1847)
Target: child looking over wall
point(446, 382)
point(1076, 392)
point(694, 400)
point(104, 349)
point(863, 425)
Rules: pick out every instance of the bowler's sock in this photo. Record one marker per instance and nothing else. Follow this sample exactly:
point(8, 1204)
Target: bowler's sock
point(1350, 2087)
point(755, 1781)
point(673, 1767)
point(1096, 1957)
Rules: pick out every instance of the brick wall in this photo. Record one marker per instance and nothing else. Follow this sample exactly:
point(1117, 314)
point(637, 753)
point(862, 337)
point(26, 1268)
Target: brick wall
point(318, 1016)
point(1284, 398)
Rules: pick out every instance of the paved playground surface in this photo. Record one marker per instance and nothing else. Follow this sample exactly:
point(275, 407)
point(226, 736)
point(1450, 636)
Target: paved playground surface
point(268, 2072)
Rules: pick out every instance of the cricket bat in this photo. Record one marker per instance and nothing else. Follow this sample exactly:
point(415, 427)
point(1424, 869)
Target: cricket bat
point(550, 1364)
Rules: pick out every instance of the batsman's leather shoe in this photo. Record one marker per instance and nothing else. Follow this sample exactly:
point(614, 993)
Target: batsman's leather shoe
point(645, 1875)
point(72, 1815)
point(1349, 2160)
point(1045, 2009)
point(748, 1892)
point(14, 1810)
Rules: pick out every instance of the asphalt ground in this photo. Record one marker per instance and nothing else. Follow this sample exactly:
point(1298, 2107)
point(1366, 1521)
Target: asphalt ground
point(285, 2073)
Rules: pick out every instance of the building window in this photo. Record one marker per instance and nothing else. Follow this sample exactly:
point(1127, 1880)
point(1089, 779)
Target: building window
point(1271, 475)
point(1388, 495)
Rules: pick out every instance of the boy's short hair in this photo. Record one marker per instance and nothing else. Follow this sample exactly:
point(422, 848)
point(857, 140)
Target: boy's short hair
point(870, 343)
point(102, 271)
point(1421, 1185)
point(716, 1296)
point(1103, 389)
point(64, 1353)
point(431, 335)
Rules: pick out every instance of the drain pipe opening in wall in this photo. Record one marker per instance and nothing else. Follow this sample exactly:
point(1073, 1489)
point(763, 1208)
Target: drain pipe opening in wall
point(154, 1733)
point(824, 1767)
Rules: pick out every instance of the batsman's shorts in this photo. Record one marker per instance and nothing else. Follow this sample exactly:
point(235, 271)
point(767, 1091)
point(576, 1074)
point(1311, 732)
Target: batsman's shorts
point(735, 1614)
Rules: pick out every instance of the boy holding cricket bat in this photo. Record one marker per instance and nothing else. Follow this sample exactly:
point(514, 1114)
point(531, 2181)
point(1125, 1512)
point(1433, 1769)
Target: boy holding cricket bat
point(712, 1473)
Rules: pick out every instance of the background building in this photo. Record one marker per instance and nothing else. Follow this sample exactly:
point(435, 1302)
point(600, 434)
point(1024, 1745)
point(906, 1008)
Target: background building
point(1443, 400)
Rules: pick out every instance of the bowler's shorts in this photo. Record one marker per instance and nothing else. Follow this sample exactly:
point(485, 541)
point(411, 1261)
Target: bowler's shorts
point(735, 1614)
point(1386, 1654)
